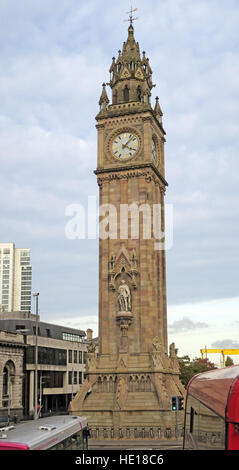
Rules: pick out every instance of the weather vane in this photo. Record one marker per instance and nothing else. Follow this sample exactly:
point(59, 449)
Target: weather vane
point(130, 13)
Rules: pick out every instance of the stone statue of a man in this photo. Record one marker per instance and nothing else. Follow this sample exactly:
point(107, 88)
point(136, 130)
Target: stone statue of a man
point(124, 297)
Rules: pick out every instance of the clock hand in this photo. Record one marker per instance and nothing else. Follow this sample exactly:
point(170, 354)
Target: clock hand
point(125, 145)
point(130, 148)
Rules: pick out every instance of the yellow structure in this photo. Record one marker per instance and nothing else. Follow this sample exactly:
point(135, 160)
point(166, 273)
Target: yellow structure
point(223, 352)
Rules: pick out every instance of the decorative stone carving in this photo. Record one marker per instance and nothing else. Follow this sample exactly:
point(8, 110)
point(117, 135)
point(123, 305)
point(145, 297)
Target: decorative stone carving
point(161, 390)
point(133, 173)
point(85, 389)
point(124, 319)
point(172, 351)
point(124, 297)
point(122, 263)
point(91, 348)
point(173, 357)
point(91, 356)
point(157, 345)
point(122, 392)
point(159, 357)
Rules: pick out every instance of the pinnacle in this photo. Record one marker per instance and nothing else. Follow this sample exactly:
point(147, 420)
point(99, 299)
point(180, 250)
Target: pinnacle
point(104, 98)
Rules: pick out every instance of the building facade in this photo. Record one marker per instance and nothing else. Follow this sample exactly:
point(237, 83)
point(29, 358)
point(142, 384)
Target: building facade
point(62, 355)
point(15, 278)
point(128, 389)
point(12, 350)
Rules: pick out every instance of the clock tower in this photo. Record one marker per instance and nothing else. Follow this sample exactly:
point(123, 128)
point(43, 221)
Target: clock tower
point(129, 382)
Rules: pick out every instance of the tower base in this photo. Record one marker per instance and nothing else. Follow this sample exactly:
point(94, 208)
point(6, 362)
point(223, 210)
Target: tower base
point(131, 404)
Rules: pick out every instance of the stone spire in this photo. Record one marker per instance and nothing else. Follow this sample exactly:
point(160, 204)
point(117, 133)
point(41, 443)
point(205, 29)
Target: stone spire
point(104, 100)
point(130, 74)
point(130, 48)
point(157, 110)
point(130, 80)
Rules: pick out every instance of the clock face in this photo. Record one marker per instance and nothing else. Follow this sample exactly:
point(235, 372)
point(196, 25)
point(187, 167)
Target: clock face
point(154, 153)
point(125, 145)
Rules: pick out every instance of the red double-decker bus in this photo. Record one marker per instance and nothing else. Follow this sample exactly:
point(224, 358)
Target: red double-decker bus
point(212, 410)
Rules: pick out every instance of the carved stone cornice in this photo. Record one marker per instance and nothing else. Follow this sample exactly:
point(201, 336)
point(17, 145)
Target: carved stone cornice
point(100, 126)
point(122, 111)
point(130, 171)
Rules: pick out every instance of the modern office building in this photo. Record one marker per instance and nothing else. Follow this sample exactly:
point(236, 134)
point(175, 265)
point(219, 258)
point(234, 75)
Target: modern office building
point(15, 278)
point(62, 356)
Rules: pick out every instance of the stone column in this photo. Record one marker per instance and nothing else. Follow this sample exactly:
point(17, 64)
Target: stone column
point(31, 391)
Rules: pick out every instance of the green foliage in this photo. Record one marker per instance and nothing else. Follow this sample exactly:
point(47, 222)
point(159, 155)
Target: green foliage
point(190, 368)
point(229, 361)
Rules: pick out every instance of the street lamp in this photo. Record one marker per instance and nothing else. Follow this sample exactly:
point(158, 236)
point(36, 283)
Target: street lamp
point(41, 382)
point(36, 356)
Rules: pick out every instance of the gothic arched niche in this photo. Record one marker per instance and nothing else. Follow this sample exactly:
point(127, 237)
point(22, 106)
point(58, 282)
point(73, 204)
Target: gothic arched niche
point(124, 265)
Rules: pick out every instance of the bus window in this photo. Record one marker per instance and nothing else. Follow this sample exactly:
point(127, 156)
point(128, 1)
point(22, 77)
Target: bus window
point(74, 442)
point(191, 425)
point(86, 435)
point(211, 429)
point(204, 429)
point(192, 412)
point(77, 441)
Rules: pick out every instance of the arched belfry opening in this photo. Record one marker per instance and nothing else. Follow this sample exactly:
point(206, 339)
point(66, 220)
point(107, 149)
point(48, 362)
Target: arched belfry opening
point(115, 97)
point(139, 93)
point(126, 94)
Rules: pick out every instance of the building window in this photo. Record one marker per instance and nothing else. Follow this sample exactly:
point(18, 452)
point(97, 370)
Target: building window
point(54, 379)
point(49, 356)
point(80, 377)
point(84, 357)
point(34, 329)
point(75, 356)
point(75, 377)
point(71, 337)
point(80, 357)
point(70, 378)
point(20, 327)
point(70, 355)
point(5, 381)
point(8, 378)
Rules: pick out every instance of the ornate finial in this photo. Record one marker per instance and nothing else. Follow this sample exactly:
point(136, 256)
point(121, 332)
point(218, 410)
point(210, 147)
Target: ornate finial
point(104, 100)
point(130, 13)
point(157, 110)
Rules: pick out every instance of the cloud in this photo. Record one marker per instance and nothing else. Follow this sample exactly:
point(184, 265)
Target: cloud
point(226, 344)
point(82, 322)
point(186, 324)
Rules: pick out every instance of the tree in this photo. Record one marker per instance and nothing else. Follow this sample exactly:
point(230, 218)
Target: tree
point(190, 368)
point(229, 361)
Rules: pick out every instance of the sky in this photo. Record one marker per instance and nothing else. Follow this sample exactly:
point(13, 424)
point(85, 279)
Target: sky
point(54, 58)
